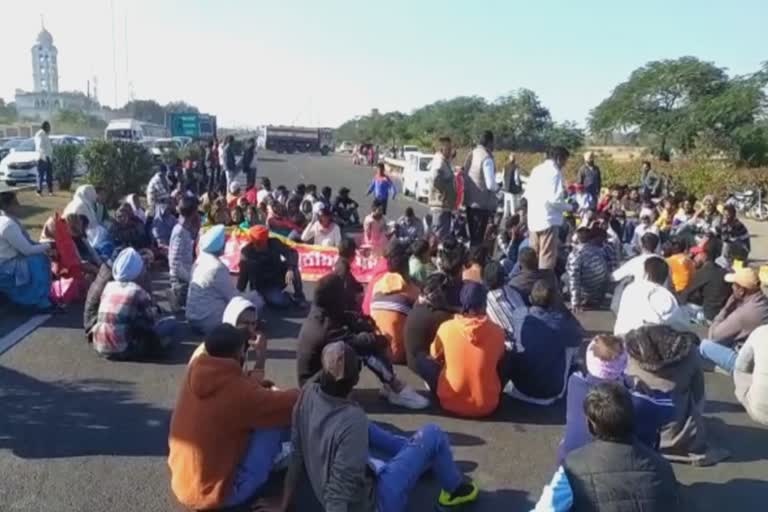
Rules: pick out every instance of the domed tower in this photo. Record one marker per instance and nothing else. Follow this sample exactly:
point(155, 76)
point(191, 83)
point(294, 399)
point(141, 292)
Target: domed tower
point(45, 67)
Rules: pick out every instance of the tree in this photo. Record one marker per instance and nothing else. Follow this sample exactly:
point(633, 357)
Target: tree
point(149, 111)
point(660, 99)
point(180, 106)
point(8, 112)
point(119, 168)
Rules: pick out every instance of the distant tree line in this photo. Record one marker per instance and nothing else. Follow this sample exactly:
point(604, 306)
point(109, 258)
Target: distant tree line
point(683, 106)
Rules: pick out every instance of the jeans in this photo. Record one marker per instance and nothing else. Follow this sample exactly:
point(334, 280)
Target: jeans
point(477, 220)
point(276, 297)
point(429, 448)
point(720, 354)
point(379, 364)
point(429, 370)
point(254, 468)
point(442, 219)
point(44, 173)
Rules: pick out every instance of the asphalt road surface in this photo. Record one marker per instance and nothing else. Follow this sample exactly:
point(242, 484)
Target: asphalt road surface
point(78, 433)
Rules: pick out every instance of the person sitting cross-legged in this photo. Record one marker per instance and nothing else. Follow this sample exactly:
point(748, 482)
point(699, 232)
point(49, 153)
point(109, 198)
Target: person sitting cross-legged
point(750, 375)
point(588, 270)
point(327, 322)
point(227, 426)
point(745, 311)
point(466, 355)
point(502, 301)
point(546, 338)
point(127, 327)
point(431, 310)
point(606, 361)
point(615, 471)
point(707, 291)
point(529, 273)
point(333, 439)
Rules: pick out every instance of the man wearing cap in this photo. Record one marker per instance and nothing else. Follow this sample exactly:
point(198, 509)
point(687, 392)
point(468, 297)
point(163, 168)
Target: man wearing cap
point(745, 311)
point(267, 266)
point(332, 441)
point(227, 427)
point(127, 326)
point(590, 177)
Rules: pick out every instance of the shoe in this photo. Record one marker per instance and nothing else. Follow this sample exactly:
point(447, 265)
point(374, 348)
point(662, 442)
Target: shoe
point(466, 493)
point(39, 194)
point(407, 397)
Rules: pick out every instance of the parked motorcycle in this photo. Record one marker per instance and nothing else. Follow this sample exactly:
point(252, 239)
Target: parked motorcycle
point(749, 203)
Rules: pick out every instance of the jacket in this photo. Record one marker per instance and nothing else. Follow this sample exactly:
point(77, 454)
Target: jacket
point(590, 177)
point(392, 300)
point(621, 477)
point(470, 348)
point(442, 193)
point(663, 359)
point(381, 188)
point(708, 289)
point(93, 298)
point(476, 192)
point(737, 320)
point(512, 182)
point(265, 269)
point(216, 411)
point(750, 375)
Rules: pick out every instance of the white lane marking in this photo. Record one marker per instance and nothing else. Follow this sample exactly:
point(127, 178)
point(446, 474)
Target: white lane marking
point(21, 332)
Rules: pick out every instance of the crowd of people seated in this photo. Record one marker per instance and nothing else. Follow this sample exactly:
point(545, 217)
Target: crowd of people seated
point(476, 317)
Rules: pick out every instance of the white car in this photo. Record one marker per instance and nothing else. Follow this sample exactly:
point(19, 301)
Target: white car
point(345, 147)
point(20, 165)
point(410, 150)
point(416, 175)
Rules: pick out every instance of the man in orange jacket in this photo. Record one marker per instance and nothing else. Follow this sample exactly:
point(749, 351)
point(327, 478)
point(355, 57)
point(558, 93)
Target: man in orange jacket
point(227, 426)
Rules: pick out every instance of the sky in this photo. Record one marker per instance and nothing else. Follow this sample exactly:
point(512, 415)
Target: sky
point(253, 62)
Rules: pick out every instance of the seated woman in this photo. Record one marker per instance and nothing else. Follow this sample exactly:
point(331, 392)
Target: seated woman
point(127, 325)
point(89, 260)
point(322, 231)
point(85, 201)
point(466, 358)
point(25, 270)
point(392, 299)
point(211, 287)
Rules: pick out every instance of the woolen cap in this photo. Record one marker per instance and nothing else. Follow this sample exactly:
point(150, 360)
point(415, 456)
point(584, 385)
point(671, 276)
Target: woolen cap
point(340, 362)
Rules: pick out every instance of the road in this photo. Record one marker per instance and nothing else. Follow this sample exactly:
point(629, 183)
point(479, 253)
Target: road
point(81, 434)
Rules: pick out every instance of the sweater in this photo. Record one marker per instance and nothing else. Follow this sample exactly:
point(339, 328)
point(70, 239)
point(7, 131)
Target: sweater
point(470, 348)
point(708, 289)
point(216, 411)
point(420, 330)
point(210, 289)
point(738, 319)
point(750, 375)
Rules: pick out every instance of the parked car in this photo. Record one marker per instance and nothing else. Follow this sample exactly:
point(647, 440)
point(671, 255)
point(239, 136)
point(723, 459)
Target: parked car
point(345, 147)
point(416, 175)
point(56, 140)
point(409, 150)
point(9, 144)
point(20, 165)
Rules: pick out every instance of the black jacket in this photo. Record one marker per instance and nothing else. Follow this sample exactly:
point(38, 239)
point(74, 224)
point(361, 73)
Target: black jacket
point(621, 477)
point(708, 289)
point(248, 154)
point(512, 182)
point(262, 270)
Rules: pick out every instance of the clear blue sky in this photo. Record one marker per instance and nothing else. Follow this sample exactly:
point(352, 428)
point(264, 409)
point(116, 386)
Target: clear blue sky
point(303, 61)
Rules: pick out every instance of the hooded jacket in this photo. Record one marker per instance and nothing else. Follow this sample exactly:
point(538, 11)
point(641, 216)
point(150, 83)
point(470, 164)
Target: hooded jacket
point(470, 348)
point(665, 360)
point(216, 411)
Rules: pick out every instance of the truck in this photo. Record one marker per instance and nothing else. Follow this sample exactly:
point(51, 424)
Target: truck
point(292, 139)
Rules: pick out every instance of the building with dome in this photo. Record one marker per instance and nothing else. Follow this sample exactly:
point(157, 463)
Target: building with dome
point(45, 100)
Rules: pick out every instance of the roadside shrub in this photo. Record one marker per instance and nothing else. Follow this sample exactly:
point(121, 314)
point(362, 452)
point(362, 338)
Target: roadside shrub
point(65, 160)
point(119, 168)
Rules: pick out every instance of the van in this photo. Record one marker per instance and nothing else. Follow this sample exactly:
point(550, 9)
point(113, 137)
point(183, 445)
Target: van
point(416, 175)
point(124, 129)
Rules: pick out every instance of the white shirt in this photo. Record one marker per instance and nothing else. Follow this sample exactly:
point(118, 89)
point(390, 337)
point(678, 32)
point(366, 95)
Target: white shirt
point(13, 243)
point(647, 303)
point(489, 172)
point(330, 237)
point(262, 195)
point(545, 192)
point(43, 145)
point(634, 267)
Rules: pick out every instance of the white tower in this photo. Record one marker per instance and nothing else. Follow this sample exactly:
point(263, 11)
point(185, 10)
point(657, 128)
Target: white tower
point(45, 67)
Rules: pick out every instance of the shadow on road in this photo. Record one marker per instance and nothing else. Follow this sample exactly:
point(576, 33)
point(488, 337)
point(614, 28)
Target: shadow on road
point(746, 443)
point(77, 418)
point(744, 494)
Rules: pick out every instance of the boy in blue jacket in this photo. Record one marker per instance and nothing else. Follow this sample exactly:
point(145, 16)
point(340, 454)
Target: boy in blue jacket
point(381, 186)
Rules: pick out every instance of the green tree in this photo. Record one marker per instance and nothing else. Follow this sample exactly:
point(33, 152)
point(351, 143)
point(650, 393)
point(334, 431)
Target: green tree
point(180, 106)
point(660, 100)
point(145, 110)
point(8, 112)
point(65, 162)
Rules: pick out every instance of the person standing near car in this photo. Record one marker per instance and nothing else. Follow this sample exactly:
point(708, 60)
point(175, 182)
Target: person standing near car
point(479, 187)
point(44, 150)
point(442, 194)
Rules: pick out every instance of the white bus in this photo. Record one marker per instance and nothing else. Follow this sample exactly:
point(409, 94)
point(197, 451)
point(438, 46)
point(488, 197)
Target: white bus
point(134, 130)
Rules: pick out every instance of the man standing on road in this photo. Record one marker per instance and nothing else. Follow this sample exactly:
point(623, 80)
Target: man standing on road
point(442, 194)
point(546, 203)
point(44, 150)
point(590, 177)
point(228, 160)
point(479, 187)
point(513, 186)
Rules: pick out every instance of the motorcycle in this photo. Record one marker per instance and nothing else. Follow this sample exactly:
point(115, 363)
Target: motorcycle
point(749, 203)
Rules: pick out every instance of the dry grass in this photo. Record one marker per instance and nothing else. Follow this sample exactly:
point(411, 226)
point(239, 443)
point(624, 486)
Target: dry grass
point(36, 210)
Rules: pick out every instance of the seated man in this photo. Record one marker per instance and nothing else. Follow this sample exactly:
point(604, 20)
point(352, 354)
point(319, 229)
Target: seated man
point(649, 302)
point(502, 302)
point(733, 231)
point(393, 298)
point(529, 273)
point(463, 371)
point(707, 289)
point(266, 265)
point(681, 267)
point(227, 426)
point(327, 322)
point(750, 375)
point(588, 270)
point(745, 311)
point(353, 290)
point(345, 208)
point(126, 325)
point(333, 439)
point(420, 265)
point(128, 230)
point(606, 361)
point(662, 359)
point(546, 337)
point(323, 230)
point(429, 312)
point(634, 269)
point(409, 227)
point(615, 471)
point(181, 251)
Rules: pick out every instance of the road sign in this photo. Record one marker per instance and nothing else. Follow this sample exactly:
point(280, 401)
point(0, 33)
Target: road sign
point(185, 125)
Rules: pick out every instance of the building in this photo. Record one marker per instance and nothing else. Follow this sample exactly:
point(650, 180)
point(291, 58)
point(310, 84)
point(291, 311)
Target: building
point(45, 100)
